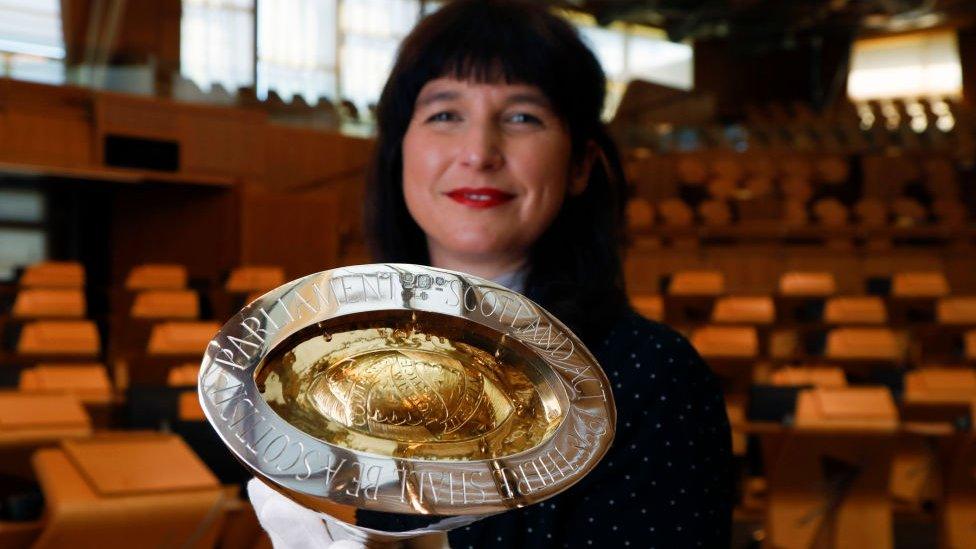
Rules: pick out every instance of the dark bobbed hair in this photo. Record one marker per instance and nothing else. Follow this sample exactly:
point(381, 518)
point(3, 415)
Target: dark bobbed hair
point(575, 267)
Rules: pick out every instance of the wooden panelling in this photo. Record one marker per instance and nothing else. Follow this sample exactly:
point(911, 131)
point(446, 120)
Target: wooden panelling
point(222, 141)
point(191, 225)
point(212, 140)
point(295, 230)
point(129, 115)
point(44, 124)
point(298, 157)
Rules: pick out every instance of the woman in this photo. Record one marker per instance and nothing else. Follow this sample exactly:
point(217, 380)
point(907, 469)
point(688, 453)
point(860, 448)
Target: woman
point(492, 159)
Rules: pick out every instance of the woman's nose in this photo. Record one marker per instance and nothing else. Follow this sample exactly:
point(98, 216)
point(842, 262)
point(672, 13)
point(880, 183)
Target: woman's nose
point(480, 149)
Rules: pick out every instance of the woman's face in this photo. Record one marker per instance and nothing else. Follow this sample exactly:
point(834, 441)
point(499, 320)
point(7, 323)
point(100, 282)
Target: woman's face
point(486, 168)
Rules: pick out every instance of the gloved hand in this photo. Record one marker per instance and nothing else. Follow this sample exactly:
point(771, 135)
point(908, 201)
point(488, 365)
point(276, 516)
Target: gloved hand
point(293, 526)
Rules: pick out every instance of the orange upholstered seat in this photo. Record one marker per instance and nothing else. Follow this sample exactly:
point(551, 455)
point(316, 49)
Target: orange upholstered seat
point(807, 283)
point(182, 304)
point(698, 283)
point(855, 310)
point(184, 375)
point(919, 284)
point(956, 310)
point(75, 337)
point(54, 274)
point(863, 344)
point(88, 382)
point(49, 303)
point(819, 376)
point(153, 276)
point(726, 341)
point(743, 309)
point(650, 306)
point(640, 214)
point(174, 338)
point(254, 278)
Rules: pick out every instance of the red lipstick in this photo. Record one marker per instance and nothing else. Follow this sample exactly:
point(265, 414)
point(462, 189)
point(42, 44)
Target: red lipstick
point(480, 197)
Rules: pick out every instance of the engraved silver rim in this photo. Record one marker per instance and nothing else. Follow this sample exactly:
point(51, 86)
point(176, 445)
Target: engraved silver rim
point(312, 470)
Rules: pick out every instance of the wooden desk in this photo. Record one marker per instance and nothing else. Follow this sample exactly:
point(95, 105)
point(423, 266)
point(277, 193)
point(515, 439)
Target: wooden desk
point(827, 474)
point(114, 491)
point(31, 421)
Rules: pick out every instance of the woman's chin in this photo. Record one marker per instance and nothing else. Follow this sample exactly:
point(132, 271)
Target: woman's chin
point(478, 247)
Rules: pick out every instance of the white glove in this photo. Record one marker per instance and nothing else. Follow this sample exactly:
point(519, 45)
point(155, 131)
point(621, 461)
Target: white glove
point(292, 526)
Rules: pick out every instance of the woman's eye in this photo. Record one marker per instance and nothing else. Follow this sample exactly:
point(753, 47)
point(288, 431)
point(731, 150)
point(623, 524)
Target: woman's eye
point(443, 116)
point(525, 118)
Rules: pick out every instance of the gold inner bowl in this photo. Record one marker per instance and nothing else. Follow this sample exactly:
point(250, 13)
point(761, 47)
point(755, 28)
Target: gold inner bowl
point(413, 384)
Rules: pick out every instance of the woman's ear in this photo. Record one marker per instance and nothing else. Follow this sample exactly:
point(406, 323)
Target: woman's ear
point(581, 169)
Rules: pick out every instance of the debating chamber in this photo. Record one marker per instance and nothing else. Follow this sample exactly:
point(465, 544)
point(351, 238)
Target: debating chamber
point(800, 205)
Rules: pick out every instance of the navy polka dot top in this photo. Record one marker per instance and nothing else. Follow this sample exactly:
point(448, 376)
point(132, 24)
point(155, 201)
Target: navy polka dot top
point(667, 479)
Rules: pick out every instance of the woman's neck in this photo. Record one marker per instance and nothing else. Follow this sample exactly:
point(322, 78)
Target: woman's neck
point(485, 267)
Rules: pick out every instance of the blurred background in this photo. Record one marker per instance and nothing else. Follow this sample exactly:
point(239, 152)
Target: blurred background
point(802, 190)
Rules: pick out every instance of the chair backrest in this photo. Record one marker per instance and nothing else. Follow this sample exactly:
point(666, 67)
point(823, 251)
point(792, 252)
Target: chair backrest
point(832, 169)
point(697, 283)
point(181, 338)
point(758, 186)
point(919, 284)
point(794, 213)
point(54, 274)
point(728, 168)
point(732, 342)
point(722, 189)
point(744, 309)
point(796, 166)
point(156, 276)
point(59, 337)
point(956, 310)
point(87, 381)
point(254, 278)
point(676, 213)
point(691, 169)
point(49, 303)
point(796, 189)
point(818, 376)
point(253, 296)
point(715, 213)
point(880, 344)
point(807, 283)
point(871, 212)
point(183, 375)
point(640, 214)
point(651, 306)
point(830, 212)
point(188, 407)
point(183, 304)
point(855, 310)
point(949, 385)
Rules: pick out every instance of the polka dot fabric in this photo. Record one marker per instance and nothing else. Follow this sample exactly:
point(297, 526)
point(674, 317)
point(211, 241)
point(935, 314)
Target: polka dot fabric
point(667, 479)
